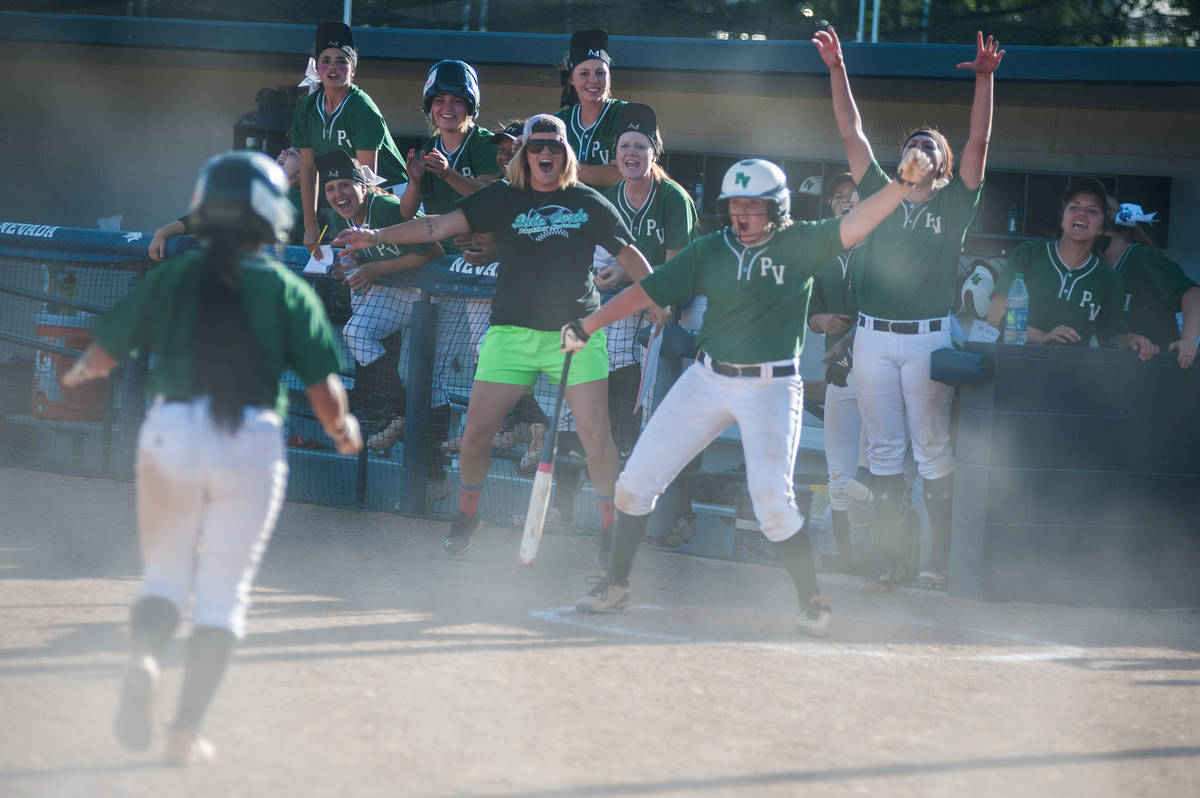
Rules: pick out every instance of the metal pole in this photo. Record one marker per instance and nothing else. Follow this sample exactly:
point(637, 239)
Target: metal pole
point(925, 23)
point(483, 14)
point(875, 22)
point(346, 11)
point(862, 14)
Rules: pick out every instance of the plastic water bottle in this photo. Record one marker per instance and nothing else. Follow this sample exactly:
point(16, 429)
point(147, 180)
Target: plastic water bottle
point(1017, 314)
point(1014, 219)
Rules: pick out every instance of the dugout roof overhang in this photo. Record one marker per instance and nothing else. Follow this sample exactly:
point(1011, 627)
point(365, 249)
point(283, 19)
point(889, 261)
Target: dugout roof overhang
point(1114, 77)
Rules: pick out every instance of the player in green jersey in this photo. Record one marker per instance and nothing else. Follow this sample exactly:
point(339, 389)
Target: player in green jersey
point(905, 288)
point(1155, 287)
point(757, 274)
point(590, 113)
point(224, 322)
point(339, 116)
point(382, 303)
point(460, 157)
point(1073, 294)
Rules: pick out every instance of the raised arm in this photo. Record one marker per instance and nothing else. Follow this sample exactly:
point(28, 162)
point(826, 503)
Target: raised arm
point(858, 149)
point(869, 212)
point(974, 155)
point(414, 231)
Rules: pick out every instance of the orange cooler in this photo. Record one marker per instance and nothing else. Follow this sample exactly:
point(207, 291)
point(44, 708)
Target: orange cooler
point(50, 400)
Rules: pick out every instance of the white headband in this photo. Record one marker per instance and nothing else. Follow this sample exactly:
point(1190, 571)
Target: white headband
point(1128, 215)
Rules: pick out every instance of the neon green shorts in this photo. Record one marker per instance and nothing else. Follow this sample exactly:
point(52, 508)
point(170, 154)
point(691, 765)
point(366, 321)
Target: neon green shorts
point(517, 355)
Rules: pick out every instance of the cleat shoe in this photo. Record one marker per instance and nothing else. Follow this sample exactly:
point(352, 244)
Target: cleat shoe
point(393, 432)
point(185, 748)
point(459, 539)
point(932, 579)
point(604, 597)
point(533, 453)
point(816, 618)
point(134, 725)
point(512, 433)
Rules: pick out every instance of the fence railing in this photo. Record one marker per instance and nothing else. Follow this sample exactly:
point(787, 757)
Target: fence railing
point(55, 280)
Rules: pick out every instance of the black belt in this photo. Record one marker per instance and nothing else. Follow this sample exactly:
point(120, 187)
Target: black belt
point(902, 327)
point(731, 370)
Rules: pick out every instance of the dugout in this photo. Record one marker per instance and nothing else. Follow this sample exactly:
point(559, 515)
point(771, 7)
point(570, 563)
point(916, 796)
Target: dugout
point(120, 113)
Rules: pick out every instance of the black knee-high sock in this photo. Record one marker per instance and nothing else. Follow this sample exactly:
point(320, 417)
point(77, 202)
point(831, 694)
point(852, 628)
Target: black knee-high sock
point(796, 555)
point(939, 495)
point(889, 512)
point(208, 654)
point(627, 532)
point(152, 624)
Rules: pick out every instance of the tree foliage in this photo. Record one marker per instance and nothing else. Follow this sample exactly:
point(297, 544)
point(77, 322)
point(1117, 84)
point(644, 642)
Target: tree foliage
point(1033, 22)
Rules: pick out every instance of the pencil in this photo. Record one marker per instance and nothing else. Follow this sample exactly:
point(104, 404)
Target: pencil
point(320, 238)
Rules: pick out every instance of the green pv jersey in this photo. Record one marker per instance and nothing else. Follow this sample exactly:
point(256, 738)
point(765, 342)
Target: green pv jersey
point(285, 316)
point(474, 158)
point(1089, 299)
point(595, 145)
point(1154, 285)
point(383, 210)
point(355, 124)
point(910, 267)
point(757, 296)
point(833, 289)
point(666, 220)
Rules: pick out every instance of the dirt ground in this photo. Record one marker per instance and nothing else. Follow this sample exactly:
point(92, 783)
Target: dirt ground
point(375, 666)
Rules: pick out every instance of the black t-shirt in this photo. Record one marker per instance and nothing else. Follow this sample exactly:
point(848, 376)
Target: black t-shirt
point(547, 242)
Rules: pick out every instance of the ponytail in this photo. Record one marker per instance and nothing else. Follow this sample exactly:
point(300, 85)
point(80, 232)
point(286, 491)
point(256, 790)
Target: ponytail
point(568, 97)
point(227, 359)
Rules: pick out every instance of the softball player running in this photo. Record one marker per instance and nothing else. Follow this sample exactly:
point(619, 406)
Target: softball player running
point(225, 322)
point(757, 275)
point(905, 289)
point(547, 227)
point(1155, 287)
point(589, 111)
point(1073, 294)
point(339, 116)
point(833, 312)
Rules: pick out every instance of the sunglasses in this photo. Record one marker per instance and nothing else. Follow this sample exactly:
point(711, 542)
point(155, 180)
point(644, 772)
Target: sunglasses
point(538, 145)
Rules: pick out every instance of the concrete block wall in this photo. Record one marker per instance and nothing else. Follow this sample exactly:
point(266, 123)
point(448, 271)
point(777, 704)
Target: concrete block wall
point(1078, 480)
point(123, 130)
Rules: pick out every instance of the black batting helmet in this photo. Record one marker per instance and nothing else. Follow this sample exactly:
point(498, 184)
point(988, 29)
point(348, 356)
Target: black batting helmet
point(452, 77)
point(242, 193)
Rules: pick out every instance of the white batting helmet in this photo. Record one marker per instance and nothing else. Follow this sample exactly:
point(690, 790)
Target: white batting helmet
point(975, 295)
point(757, 179)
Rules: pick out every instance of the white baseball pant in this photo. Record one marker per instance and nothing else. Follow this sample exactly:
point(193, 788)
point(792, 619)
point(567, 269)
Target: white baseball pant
point(845, 439)
point(381, 310)
point(894, 387)
point(207, 502)
point(698, 407)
